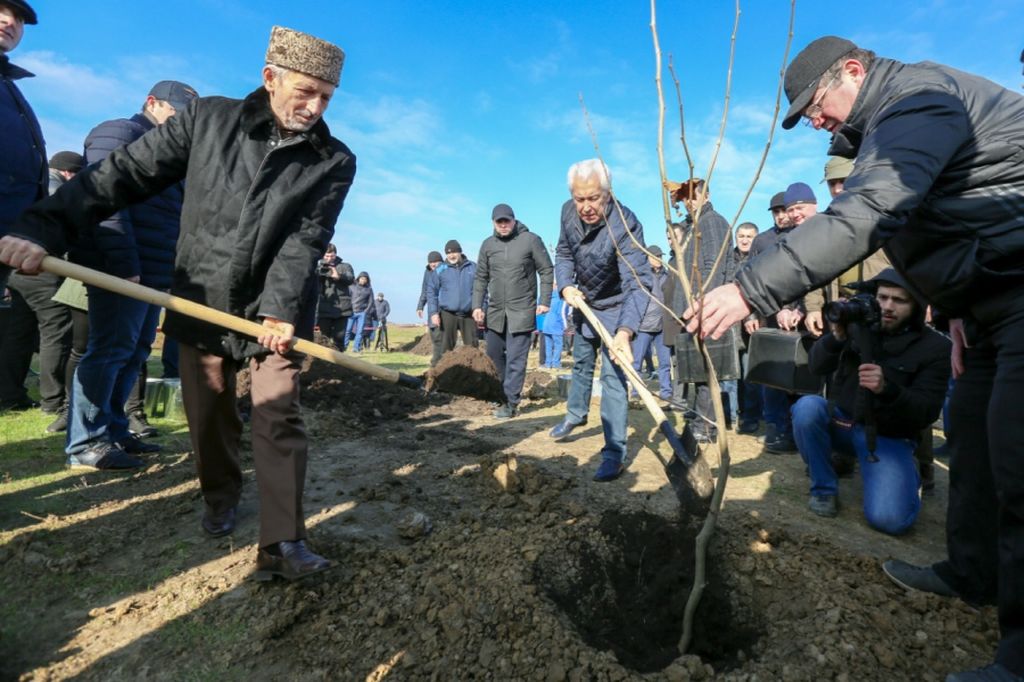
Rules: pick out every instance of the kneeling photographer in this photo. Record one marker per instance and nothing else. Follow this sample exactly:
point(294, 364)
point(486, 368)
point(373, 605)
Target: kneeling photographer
point(335, 306)
point(889, 382)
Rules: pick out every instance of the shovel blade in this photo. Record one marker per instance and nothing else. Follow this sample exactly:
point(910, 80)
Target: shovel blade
point(688, 472)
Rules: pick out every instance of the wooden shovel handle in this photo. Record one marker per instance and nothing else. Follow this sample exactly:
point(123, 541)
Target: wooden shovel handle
point(198, 311)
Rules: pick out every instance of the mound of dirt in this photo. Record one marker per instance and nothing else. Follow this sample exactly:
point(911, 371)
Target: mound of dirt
point(421, 345)
point(466, 371)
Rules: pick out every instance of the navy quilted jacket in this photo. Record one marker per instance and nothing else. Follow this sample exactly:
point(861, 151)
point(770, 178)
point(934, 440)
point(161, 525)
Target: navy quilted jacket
point(23, 171)
point(140, 239)
point(586, 258)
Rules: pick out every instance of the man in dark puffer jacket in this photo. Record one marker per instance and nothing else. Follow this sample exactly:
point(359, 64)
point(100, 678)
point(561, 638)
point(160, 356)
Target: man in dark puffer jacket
point(137, 244)
point(266, 182)
point(938, 184)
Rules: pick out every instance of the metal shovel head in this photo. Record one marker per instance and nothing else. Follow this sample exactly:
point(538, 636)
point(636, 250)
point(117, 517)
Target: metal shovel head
point(688, 472)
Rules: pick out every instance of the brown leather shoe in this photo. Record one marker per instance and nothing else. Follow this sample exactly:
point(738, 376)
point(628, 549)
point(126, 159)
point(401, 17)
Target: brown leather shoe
point(293, 561)
point(219, 524)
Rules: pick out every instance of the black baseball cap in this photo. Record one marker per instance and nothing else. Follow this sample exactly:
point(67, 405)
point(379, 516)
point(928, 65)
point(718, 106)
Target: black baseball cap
point(502, 211)
point(178, 94)
point(778, 201)
point(806, 70)
point(23, 10)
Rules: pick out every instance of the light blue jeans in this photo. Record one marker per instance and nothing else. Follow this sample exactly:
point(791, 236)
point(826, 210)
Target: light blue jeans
point(891, 499)
point(614, 405)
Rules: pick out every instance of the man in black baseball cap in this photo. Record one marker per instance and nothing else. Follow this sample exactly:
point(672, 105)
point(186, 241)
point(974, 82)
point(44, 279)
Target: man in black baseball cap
point(22, 10)
point(175, 93)
point(937, 183)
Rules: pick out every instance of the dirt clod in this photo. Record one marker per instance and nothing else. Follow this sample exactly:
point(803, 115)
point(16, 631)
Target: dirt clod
point(466, 371)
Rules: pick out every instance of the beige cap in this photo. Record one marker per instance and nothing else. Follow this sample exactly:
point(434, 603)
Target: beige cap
point(838, 168)
point(291, 49)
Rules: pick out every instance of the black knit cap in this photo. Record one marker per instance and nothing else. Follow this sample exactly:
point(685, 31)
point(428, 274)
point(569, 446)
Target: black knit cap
point(67, 161)
point(806, 70)
point(452, 247)
point(23, 10)
point(434, 257)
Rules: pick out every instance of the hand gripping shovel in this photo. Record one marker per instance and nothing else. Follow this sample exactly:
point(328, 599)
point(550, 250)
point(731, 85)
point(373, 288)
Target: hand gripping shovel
point(226, 320)
point(687, 472)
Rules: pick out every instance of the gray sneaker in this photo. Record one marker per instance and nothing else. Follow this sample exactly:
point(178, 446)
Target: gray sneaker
point(824, 505)
point(920, 578)
point(506, 411)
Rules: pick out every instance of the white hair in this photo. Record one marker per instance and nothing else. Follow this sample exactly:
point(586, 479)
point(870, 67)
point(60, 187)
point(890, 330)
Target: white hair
point(584, 170)
point(278, 72)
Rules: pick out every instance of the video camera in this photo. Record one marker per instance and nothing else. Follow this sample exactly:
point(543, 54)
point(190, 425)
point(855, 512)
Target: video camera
point(323, 267)
point(861, 309)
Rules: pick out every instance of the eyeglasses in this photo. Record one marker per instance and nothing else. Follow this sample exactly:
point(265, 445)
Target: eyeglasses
point(813, 109)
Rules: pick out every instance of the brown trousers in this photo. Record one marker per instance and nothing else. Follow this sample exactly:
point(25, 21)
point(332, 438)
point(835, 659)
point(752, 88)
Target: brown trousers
point(278, 436)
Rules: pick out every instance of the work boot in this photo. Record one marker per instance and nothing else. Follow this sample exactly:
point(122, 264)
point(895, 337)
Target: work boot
point(824, 505)
point(919, 578)
point(140, 426)
point(506, 411)
point(60, 424)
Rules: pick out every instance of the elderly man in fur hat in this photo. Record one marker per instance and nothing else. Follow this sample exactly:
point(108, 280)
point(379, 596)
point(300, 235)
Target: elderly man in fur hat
point(266, 182)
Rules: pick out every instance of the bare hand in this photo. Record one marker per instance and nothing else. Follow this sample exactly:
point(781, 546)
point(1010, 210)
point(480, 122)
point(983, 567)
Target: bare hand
point(814, 323)
point(622, 348)
point(871, 378)
point(752, 325)
point(956, 359)
point(435, 320)
point(21, 254)
point(541, 309)
point(788, 319)
point(279, 338)
point(478, 315)
point(419, 314)
point(722, 307)
point(573, 296)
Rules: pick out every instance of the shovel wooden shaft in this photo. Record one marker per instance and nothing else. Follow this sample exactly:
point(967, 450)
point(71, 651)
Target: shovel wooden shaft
point(631, 374)
point(183, 306)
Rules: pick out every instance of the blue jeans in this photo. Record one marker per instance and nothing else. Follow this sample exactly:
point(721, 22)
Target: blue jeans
point(891, 500)
point(614, 405)
point(553, 350)
point(355, 329)
point(121, 333)
point(642, 345)
point(731, 391)
point(776, 411)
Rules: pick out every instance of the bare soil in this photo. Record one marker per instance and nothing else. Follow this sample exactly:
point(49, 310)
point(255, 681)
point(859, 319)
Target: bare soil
point(468, 548)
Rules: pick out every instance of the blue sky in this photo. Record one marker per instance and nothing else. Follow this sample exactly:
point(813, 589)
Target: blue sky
point(452, 107)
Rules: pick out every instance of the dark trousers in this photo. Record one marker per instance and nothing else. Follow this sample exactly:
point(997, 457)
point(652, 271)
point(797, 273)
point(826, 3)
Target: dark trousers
point(137, 398)
point(334, 329)
point(79, 342)
point(279, 442)
point(985, 515)
point(451, 325)
point(437, 342)
point(34, 316)
point(508, 352)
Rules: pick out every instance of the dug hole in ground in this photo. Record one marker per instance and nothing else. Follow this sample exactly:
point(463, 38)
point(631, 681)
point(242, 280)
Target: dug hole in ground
point(468, 548)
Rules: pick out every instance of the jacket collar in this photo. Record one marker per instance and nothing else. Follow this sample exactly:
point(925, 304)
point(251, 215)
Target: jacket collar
point(143, 121)
point(847, 140)
point(13, 71)
point(257, 119)
point(705, 209)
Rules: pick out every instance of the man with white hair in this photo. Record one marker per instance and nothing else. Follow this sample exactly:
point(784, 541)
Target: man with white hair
point(597, 261)
point(266, 182)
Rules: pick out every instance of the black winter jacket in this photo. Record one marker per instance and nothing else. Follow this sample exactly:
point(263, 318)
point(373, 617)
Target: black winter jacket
point(335, 299)
point(939, 182)
point(362, 296)
point(714, 231)
point(586, 257)
point(138, 240)
point(383, 309)
point(259, 210)
point(23, 168)
point(506, 273)
point(915, 364)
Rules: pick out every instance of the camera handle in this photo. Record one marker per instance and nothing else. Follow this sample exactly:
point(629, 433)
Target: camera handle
point(864, 407)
